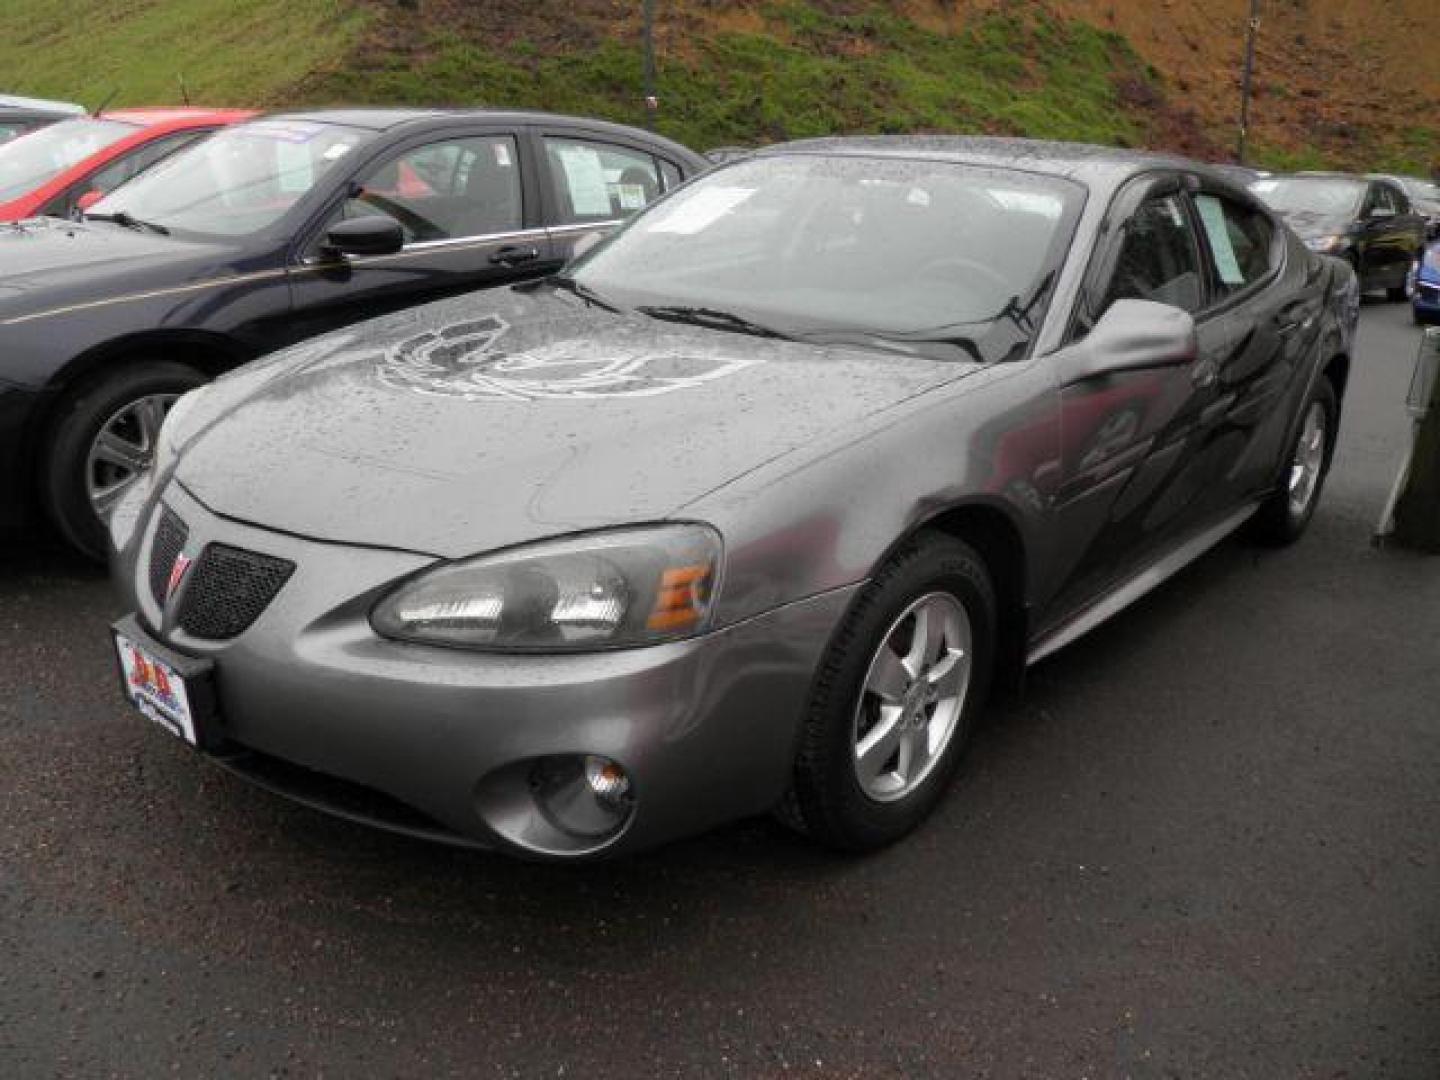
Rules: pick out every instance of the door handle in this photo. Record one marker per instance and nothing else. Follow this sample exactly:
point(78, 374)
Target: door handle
point(1204, 372)
point(512, 254)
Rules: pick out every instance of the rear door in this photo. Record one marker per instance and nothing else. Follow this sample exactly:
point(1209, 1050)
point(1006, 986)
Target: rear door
point(593, 181)
point(469, 210)
point(1272, 309)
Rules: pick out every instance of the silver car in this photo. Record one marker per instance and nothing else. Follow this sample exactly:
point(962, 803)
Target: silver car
point(747, 510)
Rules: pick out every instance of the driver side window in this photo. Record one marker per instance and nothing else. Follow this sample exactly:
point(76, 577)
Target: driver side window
point(1158, 258)
point(445, 190)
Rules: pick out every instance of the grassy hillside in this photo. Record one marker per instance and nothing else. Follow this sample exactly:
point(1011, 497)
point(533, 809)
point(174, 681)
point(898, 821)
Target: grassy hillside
point(229, 52)
point(1335, 83)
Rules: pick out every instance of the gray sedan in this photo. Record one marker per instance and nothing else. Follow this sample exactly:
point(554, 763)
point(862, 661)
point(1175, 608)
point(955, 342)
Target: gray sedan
point(747, 510)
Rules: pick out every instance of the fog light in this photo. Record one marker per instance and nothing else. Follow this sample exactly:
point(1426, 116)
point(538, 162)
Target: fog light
point(583, 795)
point(606, 779)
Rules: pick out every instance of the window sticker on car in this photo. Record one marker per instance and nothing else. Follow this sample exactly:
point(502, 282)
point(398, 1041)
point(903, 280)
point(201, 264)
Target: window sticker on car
point(502, 154)
point(336, 152)
point(701, 210)
point(1212, 215)
point(631, 196)
point(465, 361)
point(585, 178)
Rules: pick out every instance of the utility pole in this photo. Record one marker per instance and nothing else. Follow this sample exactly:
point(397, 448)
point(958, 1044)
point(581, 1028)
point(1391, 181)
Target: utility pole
point(652, 103)
point(1252, 26)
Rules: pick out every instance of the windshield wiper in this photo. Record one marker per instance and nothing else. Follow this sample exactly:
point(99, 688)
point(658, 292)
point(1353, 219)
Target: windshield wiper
point(711, 318)
point(570, 285)
point(1019, 313)
point(129, 221)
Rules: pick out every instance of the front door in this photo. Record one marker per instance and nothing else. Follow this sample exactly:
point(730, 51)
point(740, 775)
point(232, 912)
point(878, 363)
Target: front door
point(470, 216)
point(1138, 447)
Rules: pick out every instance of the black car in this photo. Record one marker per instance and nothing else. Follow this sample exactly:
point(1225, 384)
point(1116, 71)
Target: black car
point(1424, 198)
point(22, 115)
point(1369, 222)
point(263, 235)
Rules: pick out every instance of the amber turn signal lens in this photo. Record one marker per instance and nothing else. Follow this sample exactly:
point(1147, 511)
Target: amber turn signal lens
point(680, 602)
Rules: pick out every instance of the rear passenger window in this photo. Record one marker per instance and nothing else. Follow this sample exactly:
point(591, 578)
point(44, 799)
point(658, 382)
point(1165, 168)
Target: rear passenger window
point(1239, 239)
point(598, 182)
point(1158, 258)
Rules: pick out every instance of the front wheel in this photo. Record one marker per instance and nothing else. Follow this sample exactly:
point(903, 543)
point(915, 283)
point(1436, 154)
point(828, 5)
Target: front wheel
point(102, 443)
point(896, 698)
point(1406, 290)
point(1284, 516)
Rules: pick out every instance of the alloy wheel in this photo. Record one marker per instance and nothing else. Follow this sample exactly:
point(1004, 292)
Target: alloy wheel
point(123, 450)
point(913, 697)
point(1309, 459)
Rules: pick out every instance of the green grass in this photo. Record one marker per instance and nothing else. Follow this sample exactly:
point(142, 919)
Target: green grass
point(809, 71)
point(804, 77)
point(236, 52)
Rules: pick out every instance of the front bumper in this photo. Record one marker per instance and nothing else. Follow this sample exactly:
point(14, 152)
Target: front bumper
point(705, 728)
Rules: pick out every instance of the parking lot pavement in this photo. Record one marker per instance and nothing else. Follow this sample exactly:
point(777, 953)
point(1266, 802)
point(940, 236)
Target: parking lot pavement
point(1203, 844)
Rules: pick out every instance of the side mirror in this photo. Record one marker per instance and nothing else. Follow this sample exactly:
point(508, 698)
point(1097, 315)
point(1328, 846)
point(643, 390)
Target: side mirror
point(371, 235)
point(89, 199)
point(1131, 335)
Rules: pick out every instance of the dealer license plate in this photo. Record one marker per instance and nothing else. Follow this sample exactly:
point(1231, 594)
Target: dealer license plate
point(157, 689)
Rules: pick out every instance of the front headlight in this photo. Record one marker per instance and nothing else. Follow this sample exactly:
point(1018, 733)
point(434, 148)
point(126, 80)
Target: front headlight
point(629, 586)
point(1325, 244)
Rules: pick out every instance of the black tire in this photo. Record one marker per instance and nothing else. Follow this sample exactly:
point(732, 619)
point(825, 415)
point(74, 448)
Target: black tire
point(827, 800)
point(1405, 290)
point(80, 416)
point(1278, 522)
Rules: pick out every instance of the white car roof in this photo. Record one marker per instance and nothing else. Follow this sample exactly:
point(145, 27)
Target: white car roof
point(15, 101)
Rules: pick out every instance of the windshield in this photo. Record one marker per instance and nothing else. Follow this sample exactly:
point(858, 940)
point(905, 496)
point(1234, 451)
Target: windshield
point(239, 180)
point(29, 161)
point(1332, 196)
point(847, 248)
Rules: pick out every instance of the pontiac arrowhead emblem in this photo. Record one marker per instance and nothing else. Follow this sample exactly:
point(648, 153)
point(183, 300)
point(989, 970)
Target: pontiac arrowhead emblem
point(177, 574)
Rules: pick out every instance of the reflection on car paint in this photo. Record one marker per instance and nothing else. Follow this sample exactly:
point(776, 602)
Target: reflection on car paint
point(463, 361)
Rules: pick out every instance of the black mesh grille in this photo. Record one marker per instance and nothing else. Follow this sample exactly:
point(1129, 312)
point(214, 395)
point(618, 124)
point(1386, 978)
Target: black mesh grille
point(169, 541)
point(229, 588)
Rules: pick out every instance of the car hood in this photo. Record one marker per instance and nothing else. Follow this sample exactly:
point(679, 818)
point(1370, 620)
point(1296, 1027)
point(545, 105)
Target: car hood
point(505, 416)
point(46, 262)
point(1309, 224)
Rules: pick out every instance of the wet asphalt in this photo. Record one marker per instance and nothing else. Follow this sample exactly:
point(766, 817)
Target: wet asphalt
point(1205, 843)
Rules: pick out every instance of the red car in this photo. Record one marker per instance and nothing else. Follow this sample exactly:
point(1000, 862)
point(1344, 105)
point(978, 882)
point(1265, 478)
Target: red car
point(67, 166)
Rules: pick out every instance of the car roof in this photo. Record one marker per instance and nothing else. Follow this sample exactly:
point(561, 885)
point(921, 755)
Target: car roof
point(1094, 166)
point(386, 119)
point(1332, 174)
point(152, 116)
point(64, 108)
